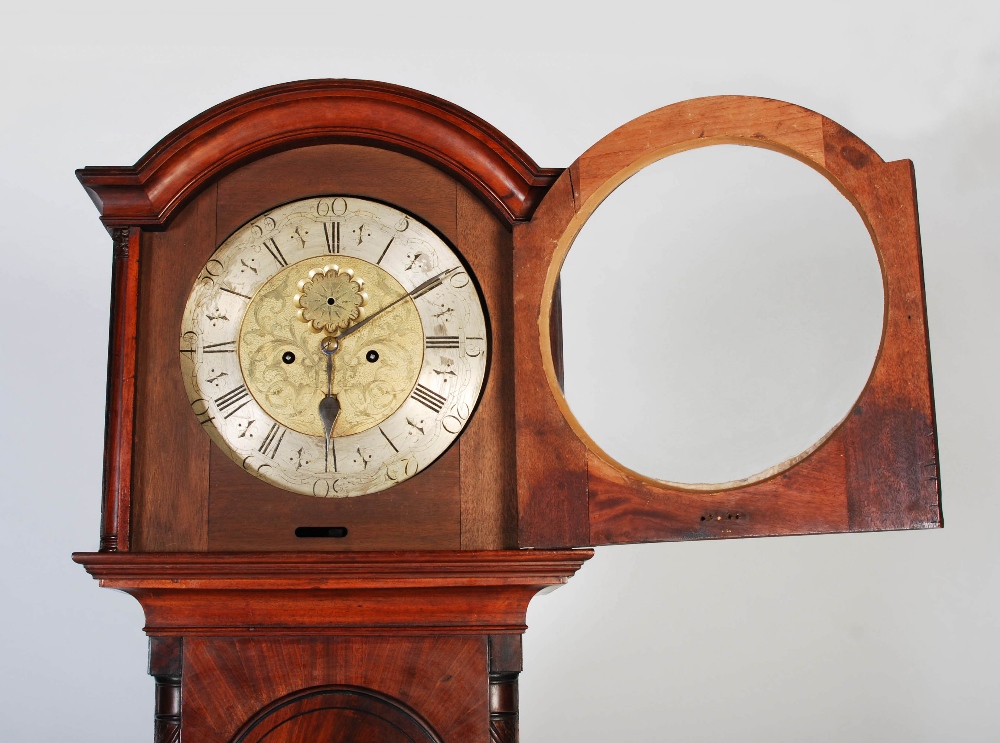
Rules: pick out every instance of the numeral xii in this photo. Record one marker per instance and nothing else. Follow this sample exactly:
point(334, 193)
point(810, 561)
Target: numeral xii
point(331, 231)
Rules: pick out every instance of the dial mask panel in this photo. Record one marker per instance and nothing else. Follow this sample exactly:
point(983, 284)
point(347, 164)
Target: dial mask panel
point(409, 363)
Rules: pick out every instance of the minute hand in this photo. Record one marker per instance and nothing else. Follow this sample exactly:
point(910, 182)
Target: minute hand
point(419, 291)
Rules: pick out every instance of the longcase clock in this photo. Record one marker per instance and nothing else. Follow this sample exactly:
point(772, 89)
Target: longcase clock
point(335, 417)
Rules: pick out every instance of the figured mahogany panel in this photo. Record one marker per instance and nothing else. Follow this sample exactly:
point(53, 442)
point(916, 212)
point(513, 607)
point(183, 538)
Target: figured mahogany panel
point(336, 714)
point(230, 683)
point(877, 470)
point(423, 512)
point(294, 115)
point(170, 465)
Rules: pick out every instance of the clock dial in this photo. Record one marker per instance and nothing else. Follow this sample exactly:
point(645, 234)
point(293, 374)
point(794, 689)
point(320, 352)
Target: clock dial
point(400, 320)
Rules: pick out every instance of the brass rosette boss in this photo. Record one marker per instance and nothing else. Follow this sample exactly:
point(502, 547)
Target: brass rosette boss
point(330, 299)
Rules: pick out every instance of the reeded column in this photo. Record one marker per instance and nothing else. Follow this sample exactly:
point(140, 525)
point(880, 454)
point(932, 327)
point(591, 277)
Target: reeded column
point(505, 666)
point(165, 668)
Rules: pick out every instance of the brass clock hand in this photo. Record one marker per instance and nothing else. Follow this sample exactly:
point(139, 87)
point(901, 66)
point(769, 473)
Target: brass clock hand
point(329, 406)
point(419, 291)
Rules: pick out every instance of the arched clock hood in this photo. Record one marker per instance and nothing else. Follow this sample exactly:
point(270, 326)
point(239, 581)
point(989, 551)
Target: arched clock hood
point(309, 112)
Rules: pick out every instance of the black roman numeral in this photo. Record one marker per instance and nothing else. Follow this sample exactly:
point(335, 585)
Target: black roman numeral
point(232, 401)
point(233, 291)
point(442, 341)
point(224, 347)
point(272, 248)
point(429, 397)
point(331, 231)
point(386, 437)
point(272, 441)
point(388, 245)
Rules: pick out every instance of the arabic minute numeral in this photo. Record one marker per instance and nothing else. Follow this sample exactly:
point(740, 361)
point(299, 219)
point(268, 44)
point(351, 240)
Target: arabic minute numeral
point(190, 339)
point(200, 408)
point(456, 419)
point(473, 349)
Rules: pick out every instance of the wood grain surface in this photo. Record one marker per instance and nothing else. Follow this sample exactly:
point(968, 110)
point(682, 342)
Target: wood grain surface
point(119, 421)
point(334, 593)
point(189, 496)
point(293, 115)
point(877, 470)
point(428, 641)
point(170, 466)
point(231, 683)
point(489, 498)
point(336, 714)
point(551, 471)
point(248, 515)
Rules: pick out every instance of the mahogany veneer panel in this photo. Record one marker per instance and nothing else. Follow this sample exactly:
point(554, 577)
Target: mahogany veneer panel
point(409, 184)
point(227, 680)
point(489, 499)
point(336, 715)
point(170, 466)
point(247, 514)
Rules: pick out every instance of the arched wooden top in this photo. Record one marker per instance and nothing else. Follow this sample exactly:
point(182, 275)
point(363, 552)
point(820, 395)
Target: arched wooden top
point(309, 112)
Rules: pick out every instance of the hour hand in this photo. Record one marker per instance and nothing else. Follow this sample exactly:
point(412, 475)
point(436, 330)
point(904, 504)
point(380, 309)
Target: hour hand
point(329, 406)
point(329, 410)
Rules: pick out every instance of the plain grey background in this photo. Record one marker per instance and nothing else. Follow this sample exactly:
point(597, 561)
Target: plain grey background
point(880, 637)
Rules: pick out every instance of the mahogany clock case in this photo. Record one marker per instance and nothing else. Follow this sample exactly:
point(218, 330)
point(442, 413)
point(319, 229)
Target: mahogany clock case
point(521, 474)
point(409, 627)
point(166, 487)
point(188, 496)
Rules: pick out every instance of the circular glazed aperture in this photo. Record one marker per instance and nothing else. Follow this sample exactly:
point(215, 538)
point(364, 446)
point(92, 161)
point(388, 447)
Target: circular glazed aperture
point(722, 311)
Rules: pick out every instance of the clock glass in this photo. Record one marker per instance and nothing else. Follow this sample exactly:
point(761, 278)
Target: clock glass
point(334, 346)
